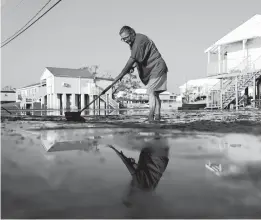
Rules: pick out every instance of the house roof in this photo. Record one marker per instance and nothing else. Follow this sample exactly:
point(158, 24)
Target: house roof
point(8, 89)
point(74, 73)
point(30, 85)
point(248, 30)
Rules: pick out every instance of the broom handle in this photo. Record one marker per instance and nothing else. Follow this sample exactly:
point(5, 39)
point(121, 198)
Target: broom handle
point(6, 110)
point(103, 92)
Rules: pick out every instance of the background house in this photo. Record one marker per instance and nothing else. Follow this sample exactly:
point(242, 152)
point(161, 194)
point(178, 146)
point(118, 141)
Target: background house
point(235, 59)
point(196, 89)
point(139, 98)
point(63, 88)
point(8, 95)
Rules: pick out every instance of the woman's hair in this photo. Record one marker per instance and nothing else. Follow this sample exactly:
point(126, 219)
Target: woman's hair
point(127, 29)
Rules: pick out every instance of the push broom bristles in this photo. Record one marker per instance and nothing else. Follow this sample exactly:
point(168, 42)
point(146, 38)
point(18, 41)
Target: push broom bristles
point(74, 116)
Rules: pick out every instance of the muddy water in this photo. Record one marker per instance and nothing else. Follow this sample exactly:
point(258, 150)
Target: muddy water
point(74, 174)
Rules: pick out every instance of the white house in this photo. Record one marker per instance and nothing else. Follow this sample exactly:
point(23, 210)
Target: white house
point(139, 96)
point(63, 88)
point(235, 59)
point(196, 88)
point(8, 95)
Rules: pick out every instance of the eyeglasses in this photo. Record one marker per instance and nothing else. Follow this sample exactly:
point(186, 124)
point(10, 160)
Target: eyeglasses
point(125, 38)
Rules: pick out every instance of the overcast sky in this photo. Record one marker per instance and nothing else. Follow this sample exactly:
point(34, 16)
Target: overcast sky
point(80, 33)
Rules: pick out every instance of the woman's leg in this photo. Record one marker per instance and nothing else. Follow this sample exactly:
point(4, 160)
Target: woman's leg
point(152, 103)
point(158, 106)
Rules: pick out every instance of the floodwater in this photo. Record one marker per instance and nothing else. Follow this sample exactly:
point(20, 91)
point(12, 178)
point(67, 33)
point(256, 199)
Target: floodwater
point(74, 174)
point(28, 112)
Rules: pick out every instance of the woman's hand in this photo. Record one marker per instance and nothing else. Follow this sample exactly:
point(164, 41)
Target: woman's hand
point(131, 70)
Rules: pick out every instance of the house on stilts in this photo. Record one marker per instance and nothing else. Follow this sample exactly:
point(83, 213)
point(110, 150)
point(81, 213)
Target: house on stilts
point(235, 60)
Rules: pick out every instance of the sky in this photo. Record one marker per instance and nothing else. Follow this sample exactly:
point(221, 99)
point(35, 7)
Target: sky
point(79, 33)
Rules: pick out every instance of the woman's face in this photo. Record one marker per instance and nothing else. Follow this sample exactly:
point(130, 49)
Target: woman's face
point(127, 38)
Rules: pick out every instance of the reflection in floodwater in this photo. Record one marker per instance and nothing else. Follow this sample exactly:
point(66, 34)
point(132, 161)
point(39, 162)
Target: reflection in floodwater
point(146, 174)
point(62, 140)
point(244, 159)
point(130, 173)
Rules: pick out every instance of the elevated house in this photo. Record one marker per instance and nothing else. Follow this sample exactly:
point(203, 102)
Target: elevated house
point(7, 95)
point(66, 89)
point(235, 60)
point(196, 89)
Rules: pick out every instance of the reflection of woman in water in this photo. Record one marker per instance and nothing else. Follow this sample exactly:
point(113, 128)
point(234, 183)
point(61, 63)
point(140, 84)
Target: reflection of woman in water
point(147, 173)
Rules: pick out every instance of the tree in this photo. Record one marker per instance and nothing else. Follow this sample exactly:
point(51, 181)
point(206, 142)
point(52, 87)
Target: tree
point(127, 84)
point(92, 69)
point(187, 93)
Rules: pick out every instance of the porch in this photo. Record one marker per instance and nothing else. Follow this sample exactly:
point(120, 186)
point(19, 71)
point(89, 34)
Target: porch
point(233, 89)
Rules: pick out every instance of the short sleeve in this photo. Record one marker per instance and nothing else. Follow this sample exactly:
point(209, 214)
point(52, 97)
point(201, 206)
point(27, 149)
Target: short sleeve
point(135, 52)
point(139, 52)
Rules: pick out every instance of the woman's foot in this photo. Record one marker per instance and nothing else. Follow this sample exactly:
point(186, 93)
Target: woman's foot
point(157, 117)
point(151, 118)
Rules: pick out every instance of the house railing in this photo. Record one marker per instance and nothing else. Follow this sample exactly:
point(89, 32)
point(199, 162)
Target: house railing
point(228, 66)
point(110, 101)
point(34, 97)
point(242, 69)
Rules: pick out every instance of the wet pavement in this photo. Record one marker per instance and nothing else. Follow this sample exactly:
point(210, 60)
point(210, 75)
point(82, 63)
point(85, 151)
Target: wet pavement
point(73, 173)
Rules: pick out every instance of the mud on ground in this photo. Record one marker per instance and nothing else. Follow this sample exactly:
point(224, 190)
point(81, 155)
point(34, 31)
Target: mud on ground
point(248, 122)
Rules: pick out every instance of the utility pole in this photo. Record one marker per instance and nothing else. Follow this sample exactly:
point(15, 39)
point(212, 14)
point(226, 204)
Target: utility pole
point(95, 67)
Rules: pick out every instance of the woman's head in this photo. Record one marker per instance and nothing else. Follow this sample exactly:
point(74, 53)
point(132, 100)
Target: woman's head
point(127, 34)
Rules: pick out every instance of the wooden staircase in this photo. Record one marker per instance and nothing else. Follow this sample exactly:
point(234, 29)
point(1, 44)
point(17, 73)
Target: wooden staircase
point(112, 103)
point(234, 86)
point(238, 85)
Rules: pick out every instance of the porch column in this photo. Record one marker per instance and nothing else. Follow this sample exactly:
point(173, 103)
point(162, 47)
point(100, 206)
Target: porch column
point(82, 101)
point(244, 52)
point(48, 101)
point(42, 102)
point(208, 62)
point(254, 90)
point(107, 101)
point(64, 100)
point(58, 96)
point(99, 105)
point(244, 48)
point(51, 101)
point(258, 92)
point(207, 97)
point(56, 101)
point(221, 92)
point(219, 59)
point(236, 89)
point(73, 100)
point(90, 100)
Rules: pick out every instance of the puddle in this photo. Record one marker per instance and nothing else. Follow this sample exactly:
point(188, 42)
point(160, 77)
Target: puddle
point(81, 173)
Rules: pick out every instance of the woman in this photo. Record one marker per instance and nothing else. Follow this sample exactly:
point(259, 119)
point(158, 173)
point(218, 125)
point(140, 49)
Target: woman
point(151, 67)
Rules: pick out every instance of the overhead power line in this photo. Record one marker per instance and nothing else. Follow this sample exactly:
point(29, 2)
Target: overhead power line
point(20, 31)
point(27, 22)
point(13, 8)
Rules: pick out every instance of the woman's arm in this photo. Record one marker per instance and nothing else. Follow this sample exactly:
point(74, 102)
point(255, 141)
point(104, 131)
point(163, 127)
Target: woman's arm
point(127, 68)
